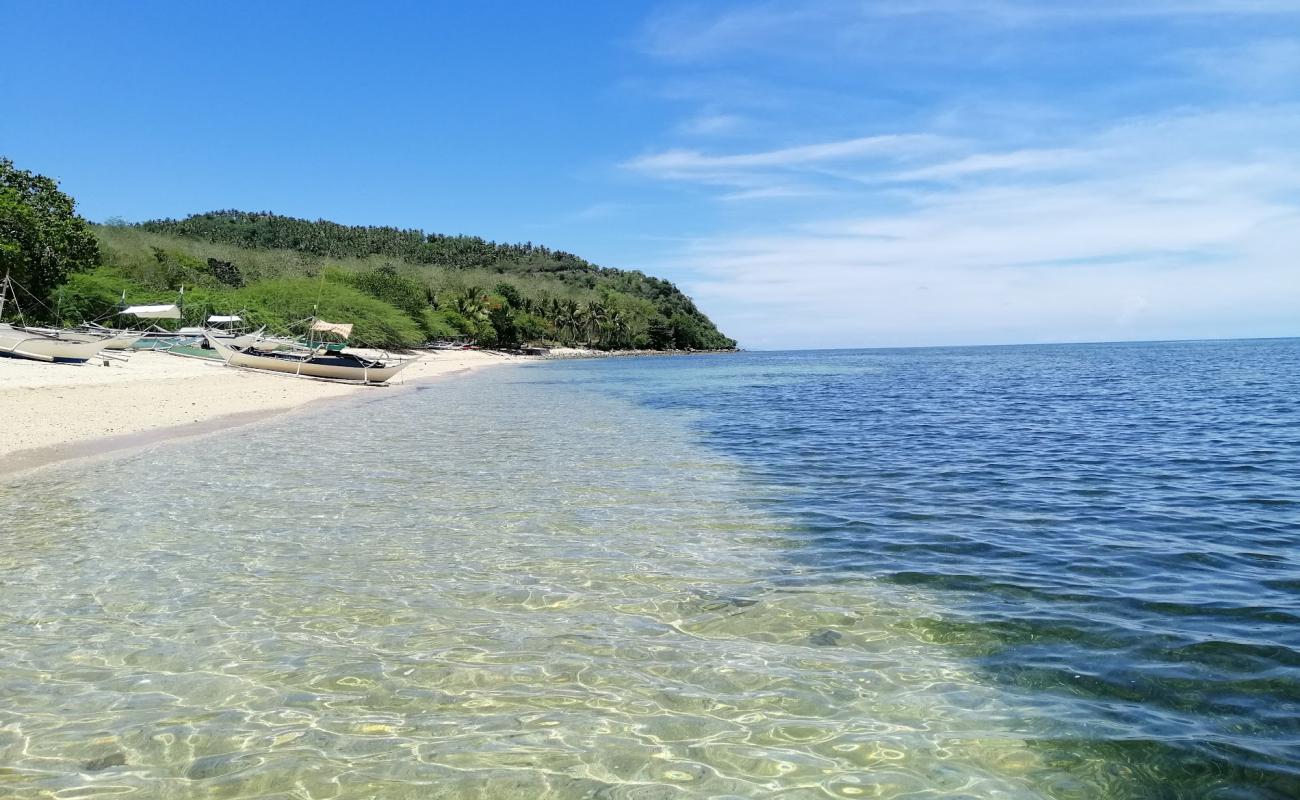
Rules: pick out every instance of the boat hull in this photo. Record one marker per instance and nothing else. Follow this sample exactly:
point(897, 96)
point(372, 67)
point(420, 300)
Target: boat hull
point(19, 343)
point(109, 340)
point(330, 368)
point(122, 341)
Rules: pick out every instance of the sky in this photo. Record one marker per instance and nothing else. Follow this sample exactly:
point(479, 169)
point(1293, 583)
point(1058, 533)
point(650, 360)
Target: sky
point(815, 174)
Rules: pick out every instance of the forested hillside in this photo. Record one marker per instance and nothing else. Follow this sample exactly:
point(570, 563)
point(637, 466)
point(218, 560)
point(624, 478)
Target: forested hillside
point(445, 285)
point(400, 288)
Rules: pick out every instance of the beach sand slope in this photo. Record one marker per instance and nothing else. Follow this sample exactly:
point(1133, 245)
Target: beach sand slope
point(52, 412)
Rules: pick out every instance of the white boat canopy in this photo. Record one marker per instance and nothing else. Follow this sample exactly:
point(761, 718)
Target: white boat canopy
point(343, 329)
point(154, 312)
point(220, 319)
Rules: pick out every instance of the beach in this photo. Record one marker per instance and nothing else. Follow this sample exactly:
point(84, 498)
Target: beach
point(56, 412)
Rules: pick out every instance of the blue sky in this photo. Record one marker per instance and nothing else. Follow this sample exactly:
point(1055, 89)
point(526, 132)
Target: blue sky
point(816, 174)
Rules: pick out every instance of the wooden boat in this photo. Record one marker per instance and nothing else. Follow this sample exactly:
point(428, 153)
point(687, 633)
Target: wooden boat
point(309, 363)
point(244, 340)
point(268, 344)
point(122, 340)
point(230, 329)
point(109, 339)
point(22, 343)
point(192, 341)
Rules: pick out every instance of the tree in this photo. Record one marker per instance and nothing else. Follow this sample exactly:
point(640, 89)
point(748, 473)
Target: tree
point(42, 240)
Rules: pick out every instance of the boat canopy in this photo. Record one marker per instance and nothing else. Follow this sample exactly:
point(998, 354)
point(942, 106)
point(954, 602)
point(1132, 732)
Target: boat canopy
point(343, 329)
point(154, 312)
point(216, 318)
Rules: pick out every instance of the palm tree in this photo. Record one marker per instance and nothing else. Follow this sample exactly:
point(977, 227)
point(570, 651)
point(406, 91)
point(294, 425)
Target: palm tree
point(568, 317)
point(594, 317)
point(472, 304)
point(618, 327)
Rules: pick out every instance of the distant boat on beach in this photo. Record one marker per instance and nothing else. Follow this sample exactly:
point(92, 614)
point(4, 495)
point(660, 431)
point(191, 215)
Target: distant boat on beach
point(320, 362)
point(190, 341)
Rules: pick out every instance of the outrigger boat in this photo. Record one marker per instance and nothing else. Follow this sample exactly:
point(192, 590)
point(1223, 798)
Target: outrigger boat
point(21, 342)
point(108, 339)
point(312, 362)
point(189, 341)
point(227, 328)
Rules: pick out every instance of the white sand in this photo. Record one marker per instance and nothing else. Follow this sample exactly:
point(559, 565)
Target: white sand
point(53, 411)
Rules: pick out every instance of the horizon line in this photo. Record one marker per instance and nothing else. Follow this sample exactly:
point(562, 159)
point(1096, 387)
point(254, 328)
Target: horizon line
point(1024, 344)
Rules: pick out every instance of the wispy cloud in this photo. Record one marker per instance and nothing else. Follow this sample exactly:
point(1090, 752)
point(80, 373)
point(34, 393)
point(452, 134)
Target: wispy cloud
point(980, 164)
point(746, 169)
point(1151, 238)
point(1268, 66)
point(686, 32)
point(1050, 12)
point(713, 124)
point(1022, 170)
point(596, 211)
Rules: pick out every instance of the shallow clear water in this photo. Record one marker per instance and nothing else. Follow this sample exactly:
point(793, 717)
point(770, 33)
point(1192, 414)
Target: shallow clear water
point(1008, 572)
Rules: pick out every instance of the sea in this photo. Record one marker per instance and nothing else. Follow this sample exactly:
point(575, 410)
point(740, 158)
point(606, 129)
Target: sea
point(1062, 571)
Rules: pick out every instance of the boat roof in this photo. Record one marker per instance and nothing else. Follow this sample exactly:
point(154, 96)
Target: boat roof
point(343, 329)
point(171, 311)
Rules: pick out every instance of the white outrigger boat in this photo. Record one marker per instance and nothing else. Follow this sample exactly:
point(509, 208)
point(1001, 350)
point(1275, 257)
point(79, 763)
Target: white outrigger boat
point(19, 341)
point(309, 362)
point(189, 341)
point(108, 339)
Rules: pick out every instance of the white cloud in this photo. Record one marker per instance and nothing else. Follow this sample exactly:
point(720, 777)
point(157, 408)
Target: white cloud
point(1166, 234)
point(767, 173)
point(688, 161)
point(816, 27)
point(772, 192)
point(1046, 160)
point(1046, 11)
point(1039, 170)
point(685, 33)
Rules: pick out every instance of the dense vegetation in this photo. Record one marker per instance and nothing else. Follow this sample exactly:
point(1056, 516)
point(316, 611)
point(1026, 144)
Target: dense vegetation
point(275, 270)
point(399, 287)
point(42, 240)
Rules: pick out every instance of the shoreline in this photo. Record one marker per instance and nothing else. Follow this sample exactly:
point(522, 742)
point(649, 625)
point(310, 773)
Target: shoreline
point(53, 414)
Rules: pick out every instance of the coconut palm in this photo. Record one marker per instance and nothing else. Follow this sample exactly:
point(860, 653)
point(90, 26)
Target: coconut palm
point(472, 303)
point(568, 317)
point(596, 317)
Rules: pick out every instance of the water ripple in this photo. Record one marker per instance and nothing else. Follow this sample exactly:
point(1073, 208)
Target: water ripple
point(455, 596)
point(1109, 533)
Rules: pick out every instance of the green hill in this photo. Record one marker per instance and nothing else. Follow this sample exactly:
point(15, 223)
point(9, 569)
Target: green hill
point(401, 287)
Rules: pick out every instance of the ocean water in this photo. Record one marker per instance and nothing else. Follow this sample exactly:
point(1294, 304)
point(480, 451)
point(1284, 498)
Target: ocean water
point(1029, 572)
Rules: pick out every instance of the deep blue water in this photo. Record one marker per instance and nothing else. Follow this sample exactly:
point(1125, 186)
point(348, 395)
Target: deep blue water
point(1110, 532)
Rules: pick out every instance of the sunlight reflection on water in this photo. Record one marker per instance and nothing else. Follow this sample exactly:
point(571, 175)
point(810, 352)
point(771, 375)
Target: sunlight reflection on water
point(487, 589)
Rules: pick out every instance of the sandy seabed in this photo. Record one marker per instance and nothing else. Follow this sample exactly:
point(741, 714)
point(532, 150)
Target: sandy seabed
point(56, 412)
